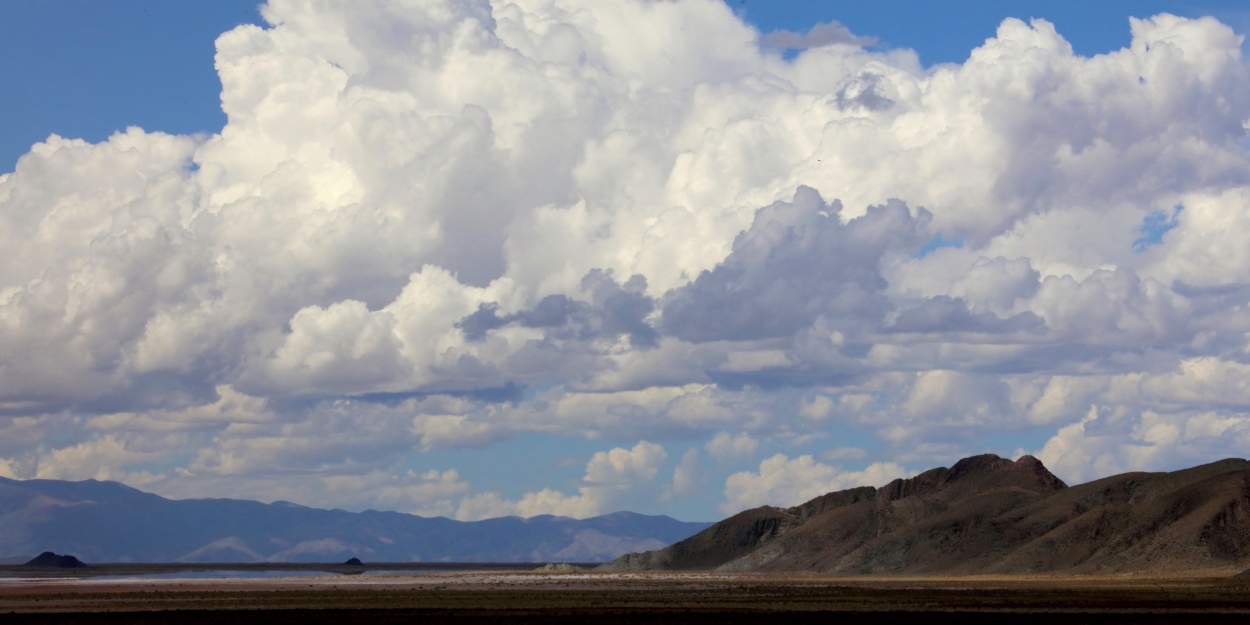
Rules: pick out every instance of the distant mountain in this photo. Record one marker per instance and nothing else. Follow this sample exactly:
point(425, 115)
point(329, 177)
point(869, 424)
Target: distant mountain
point(49, 559)
point(111, 522)
point(988, 515)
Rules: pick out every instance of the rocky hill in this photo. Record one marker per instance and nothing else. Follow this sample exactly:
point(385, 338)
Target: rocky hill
point(986, 515)
point(111, 522)
point(48, 559)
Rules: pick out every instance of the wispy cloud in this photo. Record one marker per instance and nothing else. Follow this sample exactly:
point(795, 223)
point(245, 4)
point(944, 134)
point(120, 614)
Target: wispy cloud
point(826, 34)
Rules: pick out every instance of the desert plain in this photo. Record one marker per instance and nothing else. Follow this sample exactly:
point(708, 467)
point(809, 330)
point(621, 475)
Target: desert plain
point(1211, 597)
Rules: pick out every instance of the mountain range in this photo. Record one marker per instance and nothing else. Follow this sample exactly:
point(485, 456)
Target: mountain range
point(110, 522)
point(988, 515)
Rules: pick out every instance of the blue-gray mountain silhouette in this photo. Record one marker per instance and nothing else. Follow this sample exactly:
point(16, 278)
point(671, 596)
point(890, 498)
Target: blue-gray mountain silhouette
point(111, 522)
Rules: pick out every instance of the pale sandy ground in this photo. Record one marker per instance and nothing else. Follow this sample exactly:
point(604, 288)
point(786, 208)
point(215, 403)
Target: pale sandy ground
point(590, 581)
point(387, 581)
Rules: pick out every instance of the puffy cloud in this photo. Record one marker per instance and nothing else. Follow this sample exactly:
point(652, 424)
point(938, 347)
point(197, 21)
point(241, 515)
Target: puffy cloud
point(996, 284)
point(796, 263)
point(428, 494)
point(783, 482)
point(615, 310)
point(21, 434)
point(1107, 441)
point(611, 476)
point(817, 408)
point(1205, 381)
point(687, 476)
point(624, 466)
point(485, 506)
point(1197, 413)
point(548, 501)
point(443, 223)
point(231, 407)
point(725, 447)
point(99, 459)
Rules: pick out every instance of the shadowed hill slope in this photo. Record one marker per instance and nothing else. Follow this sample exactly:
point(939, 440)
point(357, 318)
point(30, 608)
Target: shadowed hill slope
point(988, 515)
point(110, 522)
point(49, 559)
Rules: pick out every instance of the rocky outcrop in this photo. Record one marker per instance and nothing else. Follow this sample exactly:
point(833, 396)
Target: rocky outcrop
point(48, 559)
point(987, 514)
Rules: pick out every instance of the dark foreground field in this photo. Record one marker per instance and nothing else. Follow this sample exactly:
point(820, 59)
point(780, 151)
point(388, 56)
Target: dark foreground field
point(631, 598)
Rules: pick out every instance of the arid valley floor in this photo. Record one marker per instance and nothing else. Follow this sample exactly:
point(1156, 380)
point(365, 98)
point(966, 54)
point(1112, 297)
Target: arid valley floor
point(599, 597)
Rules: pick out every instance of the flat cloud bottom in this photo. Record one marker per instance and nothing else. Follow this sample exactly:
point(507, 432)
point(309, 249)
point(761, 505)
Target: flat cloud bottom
point(636, 598)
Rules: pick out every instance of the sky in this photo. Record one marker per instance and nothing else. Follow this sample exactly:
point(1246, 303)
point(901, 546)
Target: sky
point(472, 259)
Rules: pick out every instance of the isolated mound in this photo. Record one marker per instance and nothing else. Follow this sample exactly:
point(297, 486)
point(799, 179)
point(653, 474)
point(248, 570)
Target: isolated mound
point(987, 514)
point(354, 562)
point(49, 559)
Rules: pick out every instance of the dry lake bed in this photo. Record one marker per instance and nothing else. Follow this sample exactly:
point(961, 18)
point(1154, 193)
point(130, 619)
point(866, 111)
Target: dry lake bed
point(612, 597)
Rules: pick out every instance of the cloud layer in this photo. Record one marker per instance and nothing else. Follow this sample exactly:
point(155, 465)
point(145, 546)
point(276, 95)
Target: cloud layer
point(439, 224)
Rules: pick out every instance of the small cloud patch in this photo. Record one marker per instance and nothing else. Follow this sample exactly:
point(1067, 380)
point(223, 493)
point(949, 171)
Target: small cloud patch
point(828, 34)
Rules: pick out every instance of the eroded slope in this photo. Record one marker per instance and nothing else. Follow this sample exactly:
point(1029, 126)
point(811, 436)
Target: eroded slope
point(987, 514)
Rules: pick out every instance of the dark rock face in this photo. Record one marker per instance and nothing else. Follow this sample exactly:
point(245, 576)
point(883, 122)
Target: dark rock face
point(49, 559)
point(987, 514)
point(354, 562)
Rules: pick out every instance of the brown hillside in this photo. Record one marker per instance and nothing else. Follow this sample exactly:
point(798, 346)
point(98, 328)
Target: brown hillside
point(988, 515)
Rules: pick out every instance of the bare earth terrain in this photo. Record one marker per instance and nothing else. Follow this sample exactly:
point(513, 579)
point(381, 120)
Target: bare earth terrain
point(1134, 548)
point(632, 597)
point(988, 515)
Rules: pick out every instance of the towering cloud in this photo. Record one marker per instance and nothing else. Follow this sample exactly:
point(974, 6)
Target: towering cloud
point(438, 224)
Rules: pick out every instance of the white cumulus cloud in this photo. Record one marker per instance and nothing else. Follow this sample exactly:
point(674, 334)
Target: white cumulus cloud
point(442, 223)
point(611, 477)
point(726, 447)
point(782, 482)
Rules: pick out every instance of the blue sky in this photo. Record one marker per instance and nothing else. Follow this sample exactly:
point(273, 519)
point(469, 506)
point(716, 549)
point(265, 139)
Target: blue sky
point(715, 276)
